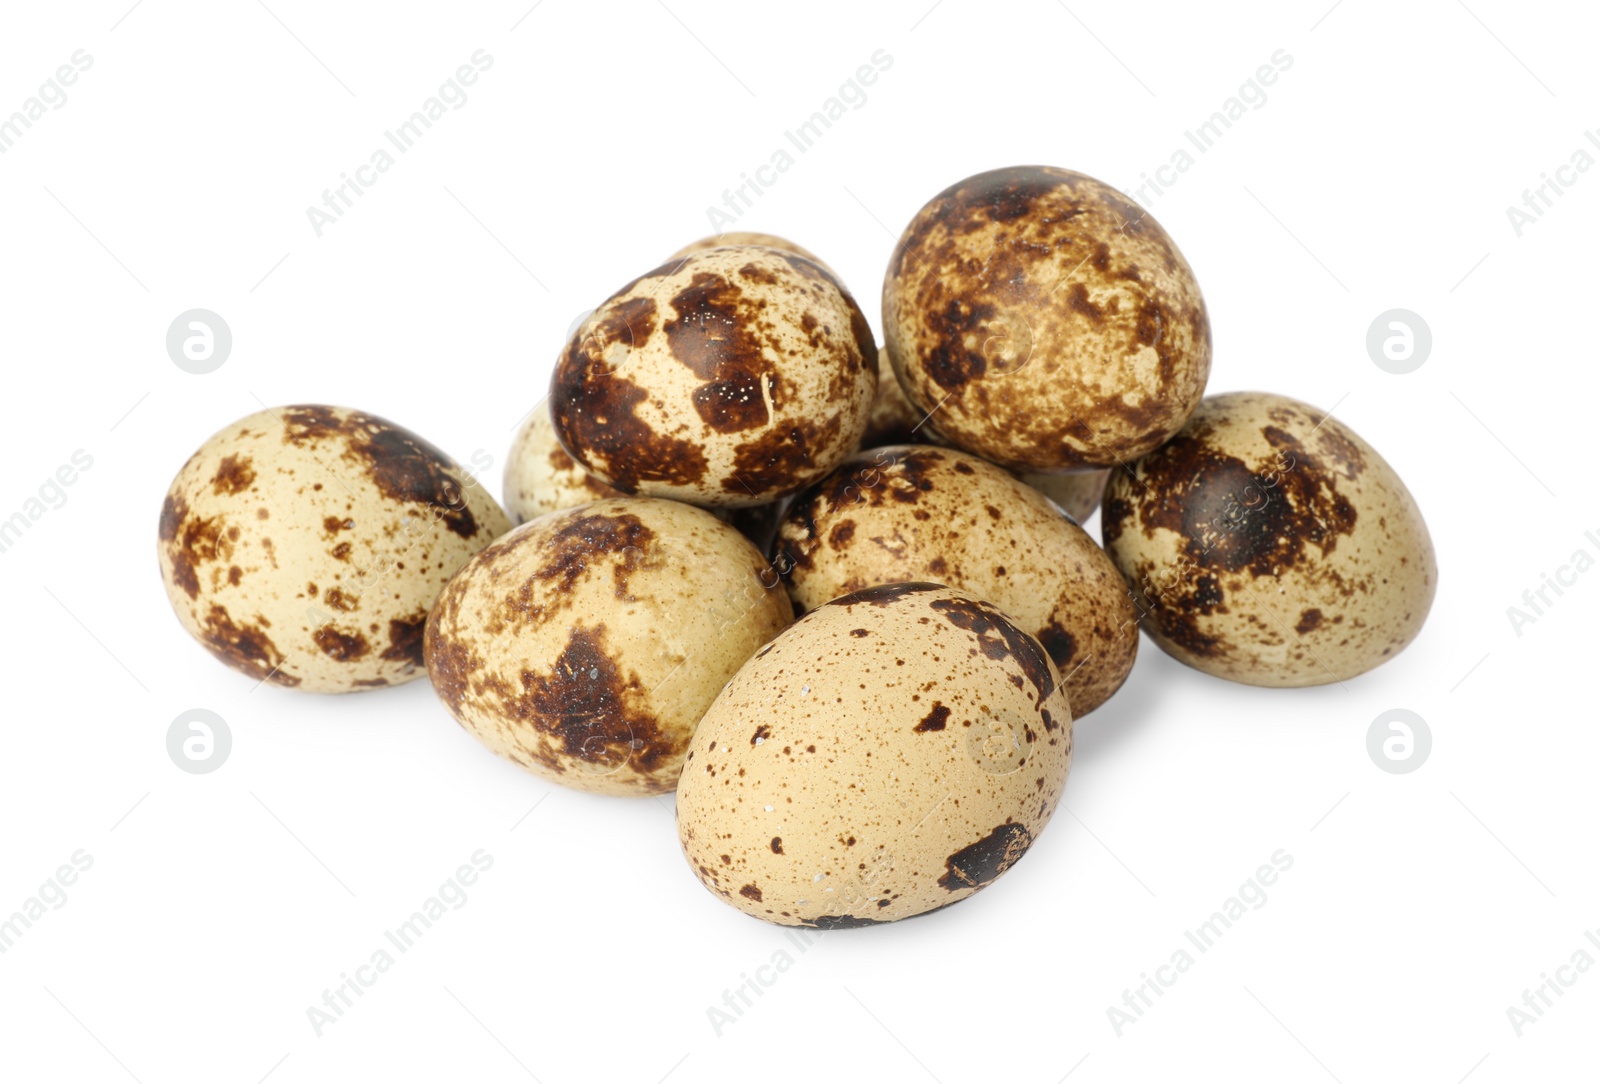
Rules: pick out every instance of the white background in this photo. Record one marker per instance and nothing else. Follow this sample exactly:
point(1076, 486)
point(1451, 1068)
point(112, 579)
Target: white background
point(219, 907)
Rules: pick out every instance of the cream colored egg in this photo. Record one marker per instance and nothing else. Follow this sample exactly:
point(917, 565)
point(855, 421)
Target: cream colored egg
point(732, 377)
point(890, 753)
point(1269, 544)
point(540, 476)
point(304, 545)
point(910, 512)
point(742, 237)
point(1051, 323)
point(894, 420)
point(1077, 494)
point(586, 644)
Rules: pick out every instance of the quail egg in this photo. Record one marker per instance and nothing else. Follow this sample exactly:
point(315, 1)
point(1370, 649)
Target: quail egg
point(742, 237)
point(1269, 544)
point(1077, 494)
point(586, 644)
point(890, 753)
point(732, 377)
point(912, 512)
point(1051, 323)
point(540, 478)
point(304, 545)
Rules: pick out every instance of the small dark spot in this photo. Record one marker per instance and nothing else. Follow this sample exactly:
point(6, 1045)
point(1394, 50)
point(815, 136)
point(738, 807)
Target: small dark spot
point(777, 845)
point(751, 892)
point(1309, 620)
point(934, 720)
point(1058, 644)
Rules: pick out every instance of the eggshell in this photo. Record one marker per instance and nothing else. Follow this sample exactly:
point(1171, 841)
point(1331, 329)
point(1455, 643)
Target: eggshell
point(893, 419)
point(910, 512)
point(540, 478)
point(1048, 323)
point(730, 378)
point(1078, 494)
point(888, 754)
point(586, 644)
point(1269, 544)
point(742, 237)
point(304, 545)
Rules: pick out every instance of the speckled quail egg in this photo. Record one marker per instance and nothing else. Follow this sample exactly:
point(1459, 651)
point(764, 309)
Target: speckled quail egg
point(540, 478)
point(890, 753)
point(1268, 544)
point(304, 545)
point(732, 377)
point(586, 644)
point(893, 419)
point(742, 237)
point(1051, 323)
point(1077, 494)
point(909, 512)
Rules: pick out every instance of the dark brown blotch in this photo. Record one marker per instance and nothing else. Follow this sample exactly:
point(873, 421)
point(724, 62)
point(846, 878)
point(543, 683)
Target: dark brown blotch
point(934, 720)
point(244, 647)
point(999, 639)
point(341, 646)
point(984, 861)
point(235, 474)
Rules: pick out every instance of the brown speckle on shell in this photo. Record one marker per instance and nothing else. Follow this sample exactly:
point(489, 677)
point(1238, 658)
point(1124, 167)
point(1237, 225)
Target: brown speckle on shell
point(897, 771)
point(1267, 543)
point(364, 516)
point(917, 513)
point(729, 378)
point(1047, 323)
point(585, 644)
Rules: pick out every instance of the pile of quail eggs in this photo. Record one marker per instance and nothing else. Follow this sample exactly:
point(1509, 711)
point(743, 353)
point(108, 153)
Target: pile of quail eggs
point(836, 596)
